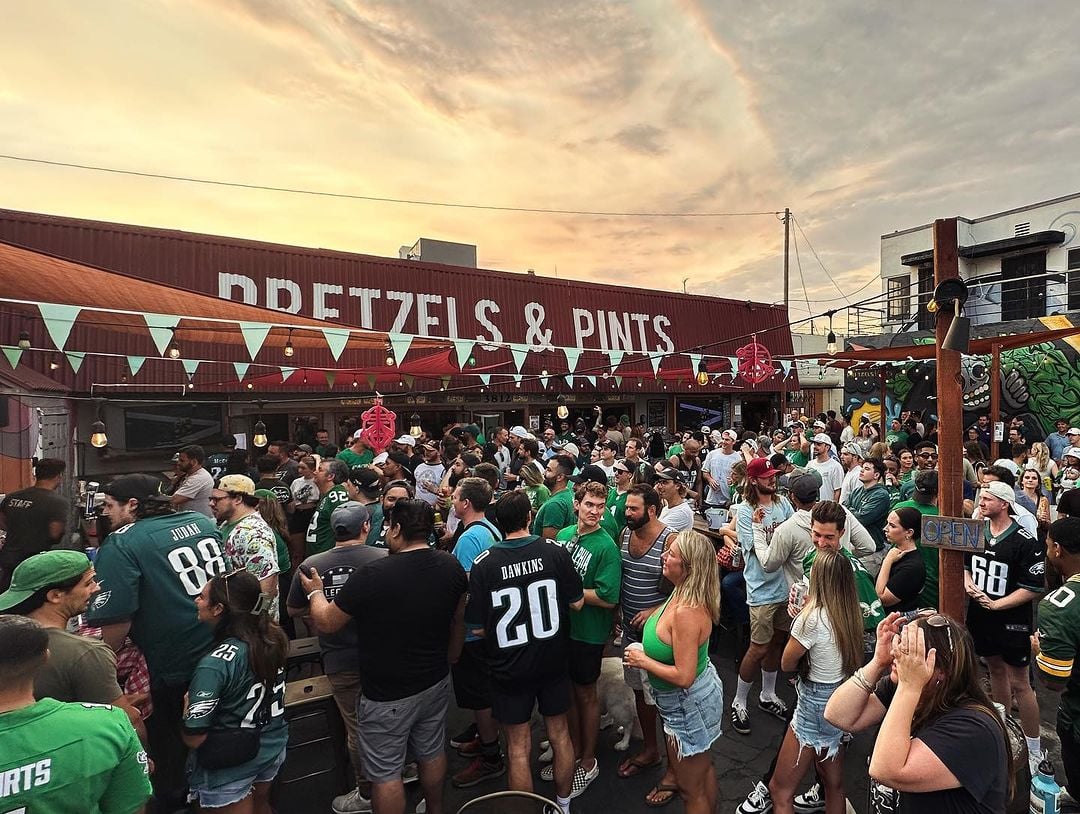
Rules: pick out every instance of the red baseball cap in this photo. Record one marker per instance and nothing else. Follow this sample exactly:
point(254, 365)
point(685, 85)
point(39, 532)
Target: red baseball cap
point(759, 468)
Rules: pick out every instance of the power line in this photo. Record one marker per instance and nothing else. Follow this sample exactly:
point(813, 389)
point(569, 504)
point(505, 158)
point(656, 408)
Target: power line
point(806, 294)
point(816, 257)
point(376, 198)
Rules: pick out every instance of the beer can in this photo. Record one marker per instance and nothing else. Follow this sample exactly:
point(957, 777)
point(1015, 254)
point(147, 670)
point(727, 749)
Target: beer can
point(91, 552)
point(89, 509)
point(798, 594)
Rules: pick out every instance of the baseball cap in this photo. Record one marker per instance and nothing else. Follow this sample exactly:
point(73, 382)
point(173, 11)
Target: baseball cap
point(759, 468)
point(356, 434)
point(819, 425)
point(241, 484)
point(305, 448)
point(138, 487)
point(608, 445)
point(1002, 491)
point(853, 449)
point(806, 487)
point(822, 438)
point(589, 474)
point(672, 474)
point(348, 519)
point(621, 466)
point(407, 440)
point(40, 571)
point(1073, 431)
point(730, 435)
point(381, 458)
point(519, 432)
point(781, 432)
point(364, 478)
point(472, 430)
point(569, 448)
point(1073, 452)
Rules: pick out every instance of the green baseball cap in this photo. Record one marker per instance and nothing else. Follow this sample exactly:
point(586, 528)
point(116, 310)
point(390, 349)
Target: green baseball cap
point(41, 571)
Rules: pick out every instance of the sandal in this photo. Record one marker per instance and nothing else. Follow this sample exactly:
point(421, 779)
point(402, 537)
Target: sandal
point(661, 788)
point(633, 766)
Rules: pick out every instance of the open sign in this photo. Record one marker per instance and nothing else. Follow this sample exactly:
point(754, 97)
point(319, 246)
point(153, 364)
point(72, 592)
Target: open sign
point(955, 533)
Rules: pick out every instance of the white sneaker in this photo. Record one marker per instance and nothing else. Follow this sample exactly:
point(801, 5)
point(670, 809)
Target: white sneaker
point(352, 803)
point(811, 801)
point(410, 773)
point(583, 778)
point(547, 755)
point(421, 807)
point(758, 801)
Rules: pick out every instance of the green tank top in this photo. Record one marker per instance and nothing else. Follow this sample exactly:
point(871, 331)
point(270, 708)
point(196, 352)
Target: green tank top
point(664, 653)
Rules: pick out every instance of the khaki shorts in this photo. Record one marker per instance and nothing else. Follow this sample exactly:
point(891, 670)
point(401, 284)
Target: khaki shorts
point(765, 620)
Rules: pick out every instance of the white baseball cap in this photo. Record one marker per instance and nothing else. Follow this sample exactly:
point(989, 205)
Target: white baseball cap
point(381, 458)
point(1072, 452)
point(1073, 431)
point(520, 432)
point(822, 438)
point(1002, 491)
point(407, 440)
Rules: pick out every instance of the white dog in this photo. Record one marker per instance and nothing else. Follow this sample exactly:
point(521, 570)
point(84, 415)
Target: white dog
point(617, 702)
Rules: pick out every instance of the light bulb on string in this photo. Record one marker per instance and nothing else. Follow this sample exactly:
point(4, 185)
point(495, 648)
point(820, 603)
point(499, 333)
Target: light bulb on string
point(288, 345)
point(24, 340)
point(98, 438)
point(259, 439)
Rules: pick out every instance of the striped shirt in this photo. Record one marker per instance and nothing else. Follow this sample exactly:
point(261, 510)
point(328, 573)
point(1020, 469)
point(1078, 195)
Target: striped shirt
point(640, 581)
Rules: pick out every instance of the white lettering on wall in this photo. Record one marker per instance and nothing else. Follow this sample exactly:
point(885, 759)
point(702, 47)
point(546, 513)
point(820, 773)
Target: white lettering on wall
point(274, 287)
point(406, 299)
point(659, 322)
point(424, 320)
point(227, 282)
point(366, 295)
point(451, 318)
point(640, 320)
point(583, 326)
point(321, 310)
point(619, 326)
point(482, 307)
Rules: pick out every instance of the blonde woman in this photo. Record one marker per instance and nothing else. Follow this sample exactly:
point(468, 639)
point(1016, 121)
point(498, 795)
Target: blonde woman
point(1041, 461)
point(675, 654)
point(533, 480)
point(827, 642)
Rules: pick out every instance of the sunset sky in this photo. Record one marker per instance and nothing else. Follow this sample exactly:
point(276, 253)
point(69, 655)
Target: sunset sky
point(863, 117)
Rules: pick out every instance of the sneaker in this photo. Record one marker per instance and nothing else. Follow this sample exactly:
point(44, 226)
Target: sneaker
point(812, 801)
point(758, 801)
point(547, 755)
point(547, 774)
point(421, 807)
point(774, 706)
point(1034, 759)
point(740, 719)
point(410, 774)
point(583, 778)
point(545, 745)
point(460, 739)
point(470, 748)
point(351, 803)
point(478, 771)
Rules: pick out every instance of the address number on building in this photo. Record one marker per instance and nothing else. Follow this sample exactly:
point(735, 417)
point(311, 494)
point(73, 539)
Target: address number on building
point(954, 533)
point(496, 398)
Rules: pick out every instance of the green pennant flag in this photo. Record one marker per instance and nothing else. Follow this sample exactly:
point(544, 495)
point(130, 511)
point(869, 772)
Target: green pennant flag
point(445, 382)
point(337, 339)
point(695, 360)
point(590, 379)
point(13, 354)
point(75, 359)
point(519, 352)
point(241, 369)
point(544, 381)
point(135, 364)
point(331, 377)
point(569, 380)
point(400, 344)
point(408, 380)
point(463, 348)
point(286, 372)
point(161, 329)
point(618, 381)
point(615, 357)
point(485, 378)
point(655, 360)
point(190, 366)
point(572, 356)
point(59, 320)
point(254, 336)
point(371, 381)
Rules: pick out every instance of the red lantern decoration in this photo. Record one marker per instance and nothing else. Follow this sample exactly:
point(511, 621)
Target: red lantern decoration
point(378, 426)
point(755, 362)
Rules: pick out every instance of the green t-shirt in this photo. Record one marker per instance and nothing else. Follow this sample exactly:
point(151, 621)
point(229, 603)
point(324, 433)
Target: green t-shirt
point(538, 495)
point(320, 536)
point(599, 563)
point(1059, 640)
point(869, 602)
point(71, 759)
point(352, 459)
point(150, 572)
point(929, 596)
point(225, 694)
point(557, 512)
point(896, 437)
point(616, 509)
point(796, 457)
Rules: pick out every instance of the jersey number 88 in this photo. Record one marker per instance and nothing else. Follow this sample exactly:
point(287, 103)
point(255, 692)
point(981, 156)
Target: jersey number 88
point(196, 566)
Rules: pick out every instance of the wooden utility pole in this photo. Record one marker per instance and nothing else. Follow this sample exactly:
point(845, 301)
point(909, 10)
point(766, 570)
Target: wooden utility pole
point(787, 238)
point(952, 600)
point(995, 399)
point(883, 419)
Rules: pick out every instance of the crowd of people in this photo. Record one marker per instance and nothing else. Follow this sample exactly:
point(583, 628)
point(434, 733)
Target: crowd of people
point(499, 572)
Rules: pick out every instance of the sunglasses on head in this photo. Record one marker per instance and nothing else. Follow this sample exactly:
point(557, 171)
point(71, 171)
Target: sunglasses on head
point(935, 620)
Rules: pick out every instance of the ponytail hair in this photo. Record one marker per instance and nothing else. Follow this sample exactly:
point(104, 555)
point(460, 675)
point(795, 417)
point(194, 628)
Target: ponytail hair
point(246, 617)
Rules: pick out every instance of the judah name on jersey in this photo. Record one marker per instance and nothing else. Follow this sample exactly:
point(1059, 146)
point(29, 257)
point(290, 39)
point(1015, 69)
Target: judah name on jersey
point(24, 778)
point(517, 569)
point(187, 530)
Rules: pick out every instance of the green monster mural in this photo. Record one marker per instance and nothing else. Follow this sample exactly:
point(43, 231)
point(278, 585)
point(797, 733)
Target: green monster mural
point(1038, 384)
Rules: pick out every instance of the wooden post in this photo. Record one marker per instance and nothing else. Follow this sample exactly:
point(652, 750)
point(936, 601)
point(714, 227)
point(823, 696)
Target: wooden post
point(995, 398)
point(883, 419)
point(952, 600)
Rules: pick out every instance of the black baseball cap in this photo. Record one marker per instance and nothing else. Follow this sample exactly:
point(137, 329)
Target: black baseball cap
point(364, 478)
point(589, 474)
point(137, 486)
point(671, 473)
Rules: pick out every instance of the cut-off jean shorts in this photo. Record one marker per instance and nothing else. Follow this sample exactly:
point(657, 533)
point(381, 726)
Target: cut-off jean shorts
point(693, 717)
point(809, 724)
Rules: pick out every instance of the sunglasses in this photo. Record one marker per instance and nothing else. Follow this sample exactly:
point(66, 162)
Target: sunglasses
point(935, 620)
point(928, 456)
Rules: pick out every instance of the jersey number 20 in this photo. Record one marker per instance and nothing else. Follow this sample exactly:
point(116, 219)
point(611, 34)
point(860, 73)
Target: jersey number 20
point(542, 621)
point(196, 566)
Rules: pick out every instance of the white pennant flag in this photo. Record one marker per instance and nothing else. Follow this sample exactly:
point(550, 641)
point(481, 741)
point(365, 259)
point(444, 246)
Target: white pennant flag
point(286, 372)
point(695, 360)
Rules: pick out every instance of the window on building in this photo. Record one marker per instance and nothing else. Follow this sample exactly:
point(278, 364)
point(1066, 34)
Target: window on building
point(926, 293)
point(1074, 280)
point(898, 290)
point(1023, 286)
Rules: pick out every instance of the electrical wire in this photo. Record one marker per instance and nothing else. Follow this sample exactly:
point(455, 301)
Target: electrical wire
point(802, 279)
point(816, 257)
point(375, 198)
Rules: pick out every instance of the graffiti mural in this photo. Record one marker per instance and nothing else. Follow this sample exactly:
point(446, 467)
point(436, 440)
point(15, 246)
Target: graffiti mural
point(1038, 384)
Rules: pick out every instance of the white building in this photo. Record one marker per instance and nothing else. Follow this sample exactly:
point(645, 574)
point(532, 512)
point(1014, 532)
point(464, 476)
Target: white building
point(1020, 264)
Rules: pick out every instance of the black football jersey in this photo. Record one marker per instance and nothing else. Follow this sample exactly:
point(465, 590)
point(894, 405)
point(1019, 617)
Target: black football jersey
point(520, 592)
point(1013, 561)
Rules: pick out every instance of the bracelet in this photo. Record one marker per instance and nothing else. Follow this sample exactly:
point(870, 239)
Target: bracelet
point(861, 681)
point(316, 591)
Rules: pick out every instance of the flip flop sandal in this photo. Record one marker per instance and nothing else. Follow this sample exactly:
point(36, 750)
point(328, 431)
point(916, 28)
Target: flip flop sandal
point(633, 767)
point(662, 788)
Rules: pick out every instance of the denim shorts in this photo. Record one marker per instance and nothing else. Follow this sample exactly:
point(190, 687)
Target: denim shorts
point(234, 791)
point(809, 724)
point(692, 717)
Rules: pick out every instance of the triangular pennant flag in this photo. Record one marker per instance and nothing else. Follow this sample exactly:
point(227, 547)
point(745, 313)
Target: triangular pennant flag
point(75, 359)
point(13, 354)
point(615, 357)
point(569, 380)
point(445, 382)
point(161, 329)
point(331, 377)
point(371, 381)
point(254, 336)
point(786, 367)
point(485, 378)
point(58, 321)
point(400, 344)
point(618, 381)
point(241, 369)
point(135, 364)
point(572, 356)
point(655, 359)
point(190, 366)
point(463, 348)
point(517, 378)
point(337, 339)
point(286, 372)
point(734, 362)
point(519, 353)
point(695, 360)
point(408, 380)
point(544, 381)
point(590, 379)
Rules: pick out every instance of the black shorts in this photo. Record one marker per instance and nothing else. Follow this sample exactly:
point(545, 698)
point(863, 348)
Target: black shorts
point(992, 637)
point(584, 662)
point(1070, 758)
point(472, 678)
point(514, 705)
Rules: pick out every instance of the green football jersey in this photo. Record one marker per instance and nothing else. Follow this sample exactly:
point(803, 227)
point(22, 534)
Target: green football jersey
point(1059, 640)
point(225, 694)
point(869, 602)
point(150, 573)
point(320, 536)
point(598, 561)
point(557, 512)
point(616, 507)
point(70, 758)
